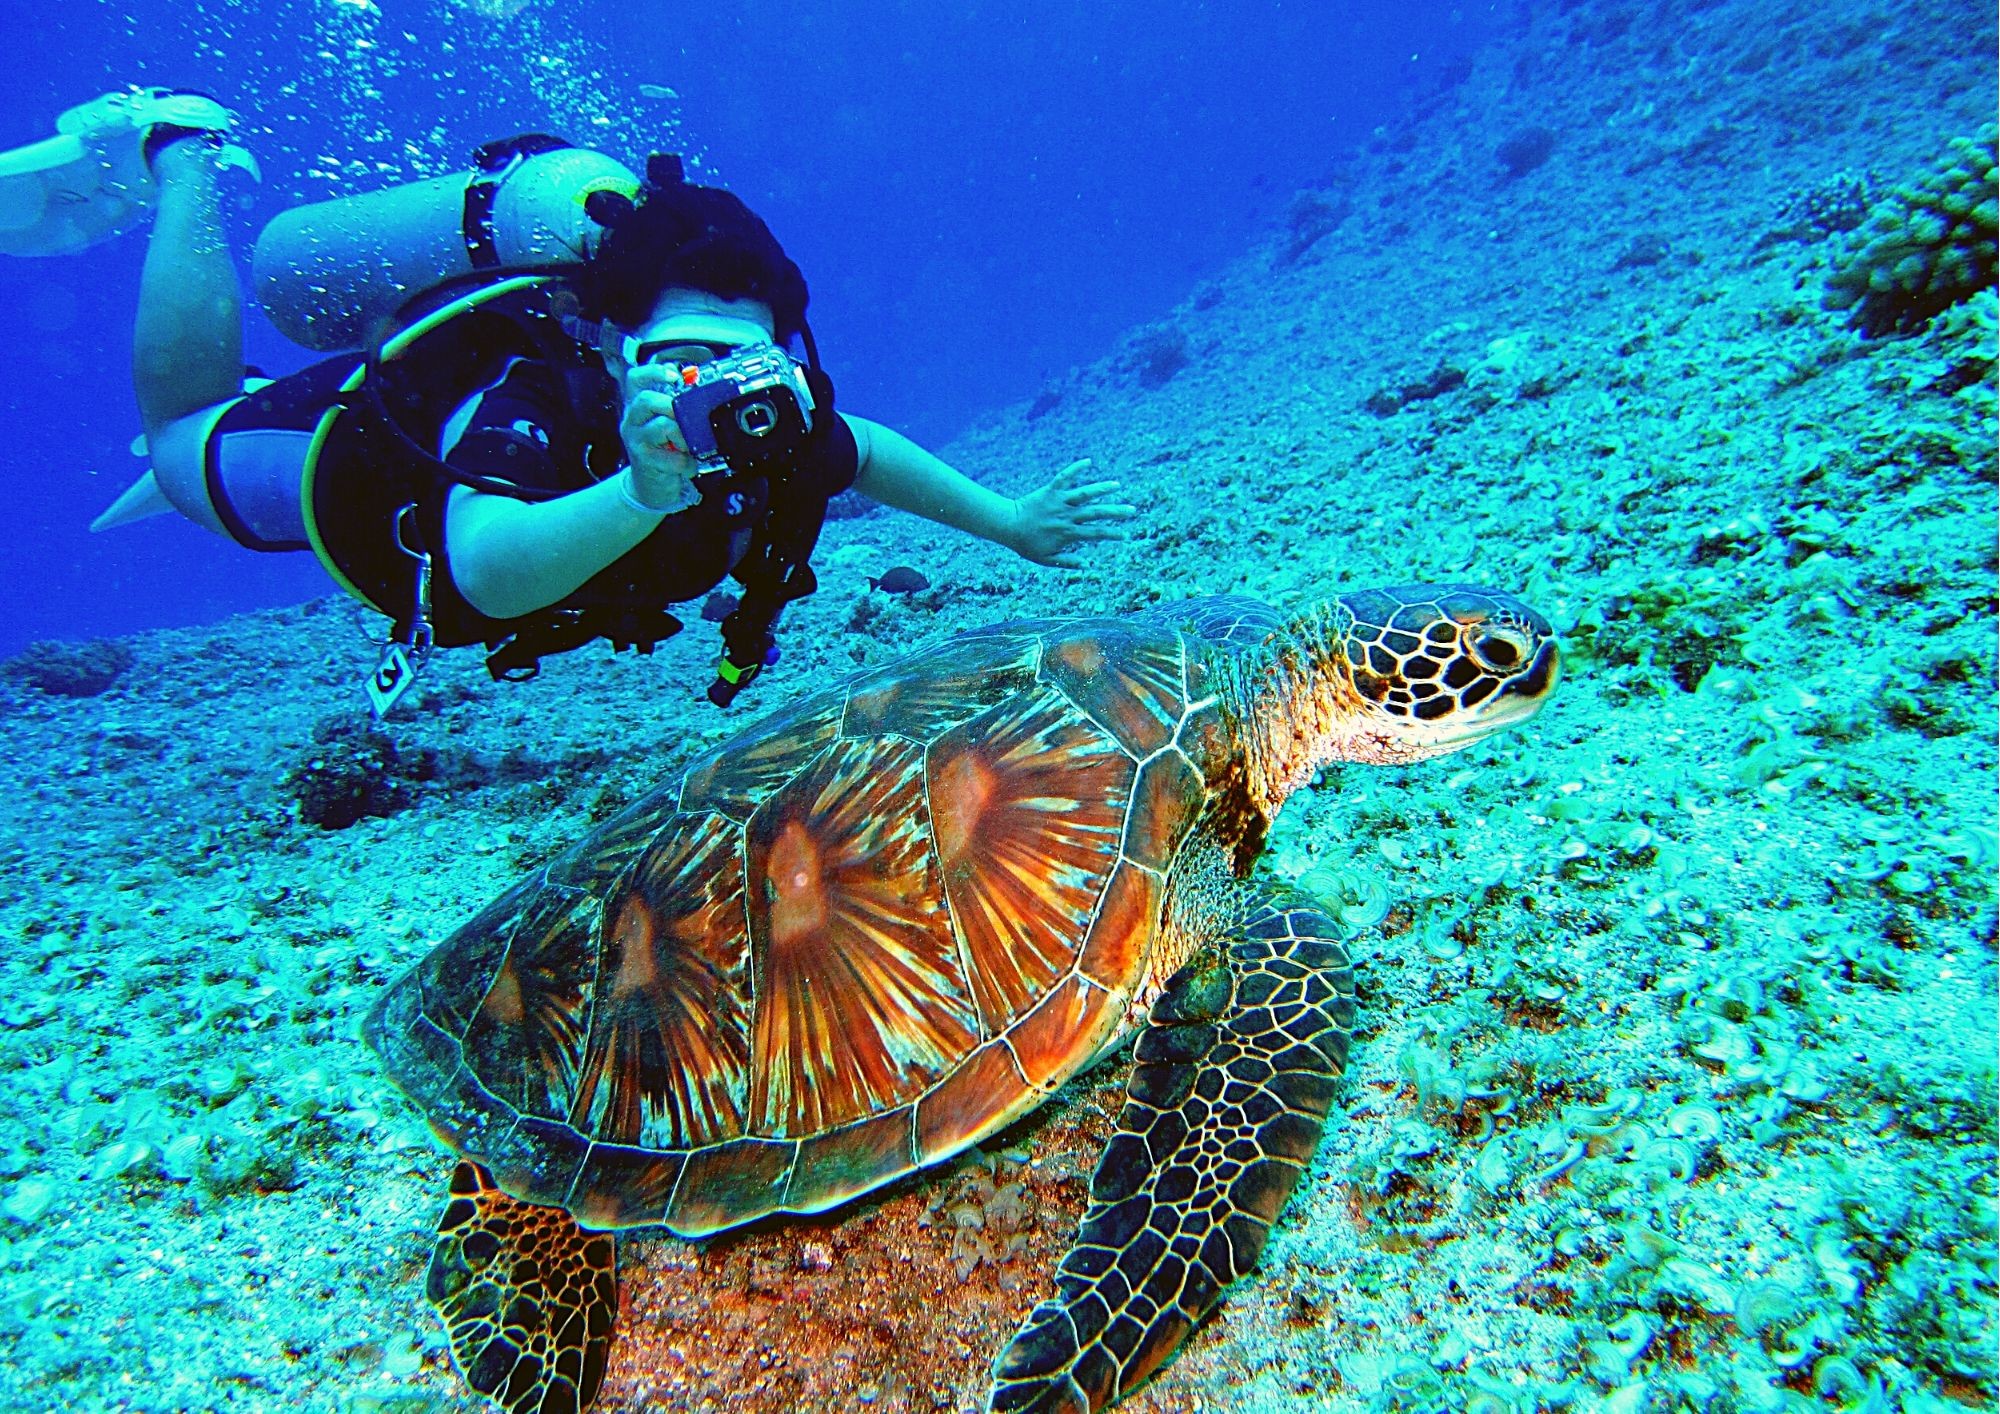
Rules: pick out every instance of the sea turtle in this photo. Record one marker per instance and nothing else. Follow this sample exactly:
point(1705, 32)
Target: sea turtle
point(883, 923)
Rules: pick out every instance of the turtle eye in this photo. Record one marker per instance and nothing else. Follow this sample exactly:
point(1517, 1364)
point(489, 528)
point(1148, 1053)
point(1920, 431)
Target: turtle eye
point(1500, 649)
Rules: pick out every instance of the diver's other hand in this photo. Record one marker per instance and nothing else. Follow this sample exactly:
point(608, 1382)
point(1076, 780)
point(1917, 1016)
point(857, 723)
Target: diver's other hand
point(1050, 523)
point(663, 472)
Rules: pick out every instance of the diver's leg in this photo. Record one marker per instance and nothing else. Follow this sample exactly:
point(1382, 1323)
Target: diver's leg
point(187, 342)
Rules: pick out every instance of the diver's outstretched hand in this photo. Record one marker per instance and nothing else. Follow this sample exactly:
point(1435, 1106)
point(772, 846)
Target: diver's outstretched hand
point(1051, 523)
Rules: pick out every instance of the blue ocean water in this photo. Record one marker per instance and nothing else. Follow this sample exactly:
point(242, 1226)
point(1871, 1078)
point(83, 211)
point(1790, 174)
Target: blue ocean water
point(981, 196)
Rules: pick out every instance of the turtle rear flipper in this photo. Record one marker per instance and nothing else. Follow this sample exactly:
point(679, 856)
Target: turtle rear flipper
point(528, 1297)
point(1223, 1111)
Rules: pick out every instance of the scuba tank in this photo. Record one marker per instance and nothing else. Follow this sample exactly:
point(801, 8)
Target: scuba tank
point(331, 273)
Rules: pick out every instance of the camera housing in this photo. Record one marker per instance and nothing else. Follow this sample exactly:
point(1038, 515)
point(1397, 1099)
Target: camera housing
point(747, 412)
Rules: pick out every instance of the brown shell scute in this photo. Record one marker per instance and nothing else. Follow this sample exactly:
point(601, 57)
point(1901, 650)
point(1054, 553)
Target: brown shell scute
point(1028, 800)
point(937, 690)
point(861, 1001)
point(723, 1184)
point(1133, 686)
point(453, 979)
point(526, 1040)
point(1233, 620)
point(988, 1089)
point(608, 851)
point(1075, 1018)
point(625, 1187)
point(1168, 797)
point(1114, 957)
point(847, 1162)
point(666, 1066)
point(736, 777)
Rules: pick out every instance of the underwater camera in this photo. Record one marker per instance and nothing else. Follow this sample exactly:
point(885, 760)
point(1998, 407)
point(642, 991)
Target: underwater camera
point(747, 412)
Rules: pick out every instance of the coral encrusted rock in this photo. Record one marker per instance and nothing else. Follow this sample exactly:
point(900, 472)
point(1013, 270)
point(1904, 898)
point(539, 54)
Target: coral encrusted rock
point(1926, 247)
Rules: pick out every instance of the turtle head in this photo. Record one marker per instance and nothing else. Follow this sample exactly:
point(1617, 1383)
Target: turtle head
point(1387, 676)
point(1423, 669)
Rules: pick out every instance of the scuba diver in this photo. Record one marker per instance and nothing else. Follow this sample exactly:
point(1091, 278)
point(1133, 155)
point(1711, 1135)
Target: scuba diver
point(559, 399)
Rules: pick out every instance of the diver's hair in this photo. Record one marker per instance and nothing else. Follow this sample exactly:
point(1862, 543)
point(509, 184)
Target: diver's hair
point(678, 235)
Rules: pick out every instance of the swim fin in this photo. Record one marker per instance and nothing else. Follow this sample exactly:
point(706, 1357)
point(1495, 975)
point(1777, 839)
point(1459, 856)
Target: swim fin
point(90, 181)
point(142, 500)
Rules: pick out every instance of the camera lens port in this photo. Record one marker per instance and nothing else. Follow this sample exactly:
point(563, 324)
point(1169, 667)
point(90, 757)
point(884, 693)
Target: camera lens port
point(757, 419)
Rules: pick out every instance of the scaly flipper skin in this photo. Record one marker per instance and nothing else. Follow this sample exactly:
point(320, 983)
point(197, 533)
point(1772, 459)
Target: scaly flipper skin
point(528, 1297)
point(1224, 1109)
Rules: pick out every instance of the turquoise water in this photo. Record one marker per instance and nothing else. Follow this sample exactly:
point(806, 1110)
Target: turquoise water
point(1676, 1078)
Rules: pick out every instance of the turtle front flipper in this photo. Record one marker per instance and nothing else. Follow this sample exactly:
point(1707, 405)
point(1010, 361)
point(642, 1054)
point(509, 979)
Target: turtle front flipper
point(528, 1297)
point(1224, 1109)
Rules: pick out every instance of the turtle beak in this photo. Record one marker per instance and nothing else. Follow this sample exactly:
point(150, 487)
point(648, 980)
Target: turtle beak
point(1522, 695)
point(1541, 678)
point(1518, 699)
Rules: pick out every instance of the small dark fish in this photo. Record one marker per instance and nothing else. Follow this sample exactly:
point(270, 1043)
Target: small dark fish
point(900, 580)
point(720, 606)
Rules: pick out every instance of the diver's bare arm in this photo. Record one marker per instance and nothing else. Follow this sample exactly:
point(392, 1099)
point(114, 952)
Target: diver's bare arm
point(512, 557)
point(1049, 525)
point(897, 472)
